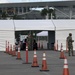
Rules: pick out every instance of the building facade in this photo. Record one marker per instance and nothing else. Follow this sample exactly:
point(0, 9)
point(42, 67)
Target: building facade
point(63, 9)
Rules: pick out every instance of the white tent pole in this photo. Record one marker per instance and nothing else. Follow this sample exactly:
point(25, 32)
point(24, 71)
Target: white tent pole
point(14, 30)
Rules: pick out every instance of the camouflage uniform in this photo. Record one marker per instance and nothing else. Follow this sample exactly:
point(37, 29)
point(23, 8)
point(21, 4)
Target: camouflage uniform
point(70, 45)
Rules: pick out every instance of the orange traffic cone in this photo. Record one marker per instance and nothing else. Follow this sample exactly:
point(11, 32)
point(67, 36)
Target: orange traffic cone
point(65, 69)
point(62, 53)
point(18, 53)
point(44, 63)
point(35, 62)
point(27, 55)
point(10, 51)
point(8, 48)
point(14, 51)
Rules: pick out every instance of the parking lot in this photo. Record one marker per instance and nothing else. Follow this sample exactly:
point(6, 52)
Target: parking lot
point(9, 65)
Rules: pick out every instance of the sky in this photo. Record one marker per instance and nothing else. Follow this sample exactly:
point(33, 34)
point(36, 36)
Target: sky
point(9, 1)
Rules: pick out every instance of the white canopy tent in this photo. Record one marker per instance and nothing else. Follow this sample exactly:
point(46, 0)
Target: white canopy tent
point(43, 33)
point(61, 28)
point(8, 28)
point(6, 33)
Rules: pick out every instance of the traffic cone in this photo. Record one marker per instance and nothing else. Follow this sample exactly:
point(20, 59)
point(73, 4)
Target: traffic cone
point(8, 48)
point(61, 53)
point(18, 53)
point(10, 51)
point(65, 68)
point(26, 52)
point(26, 62)
point(44, 63)
point(14, 51)
point(35, 62)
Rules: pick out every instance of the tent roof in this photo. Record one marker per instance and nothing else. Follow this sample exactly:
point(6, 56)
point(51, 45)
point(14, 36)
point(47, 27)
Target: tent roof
point(44, 25)
point(64, 24)
point(6, 25)
point(33, 25)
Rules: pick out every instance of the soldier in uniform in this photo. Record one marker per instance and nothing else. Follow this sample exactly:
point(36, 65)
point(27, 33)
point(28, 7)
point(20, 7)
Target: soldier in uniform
point(70, 44)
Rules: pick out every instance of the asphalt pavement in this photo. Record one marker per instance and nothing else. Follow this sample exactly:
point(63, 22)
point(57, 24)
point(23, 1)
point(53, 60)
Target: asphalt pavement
point(9, 65)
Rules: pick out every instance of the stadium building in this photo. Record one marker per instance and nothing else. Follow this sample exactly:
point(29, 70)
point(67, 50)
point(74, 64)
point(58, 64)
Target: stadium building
point(32, 22)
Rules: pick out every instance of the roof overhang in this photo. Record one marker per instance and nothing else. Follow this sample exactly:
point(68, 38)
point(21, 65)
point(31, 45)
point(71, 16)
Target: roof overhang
point(39, 4)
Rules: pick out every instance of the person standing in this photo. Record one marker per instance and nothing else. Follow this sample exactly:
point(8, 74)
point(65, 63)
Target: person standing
point(23, 47)
point(70, 44)
point(34, 45)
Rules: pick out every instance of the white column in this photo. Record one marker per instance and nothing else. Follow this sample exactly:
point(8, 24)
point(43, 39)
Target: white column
point(18, 10)
point(22, 10)
point(71, 11)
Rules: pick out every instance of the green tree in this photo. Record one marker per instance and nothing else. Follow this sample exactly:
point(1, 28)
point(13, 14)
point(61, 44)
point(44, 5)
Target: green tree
point(15, 16)
point(4, 15)
point(51, 13)
point(44, 12)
